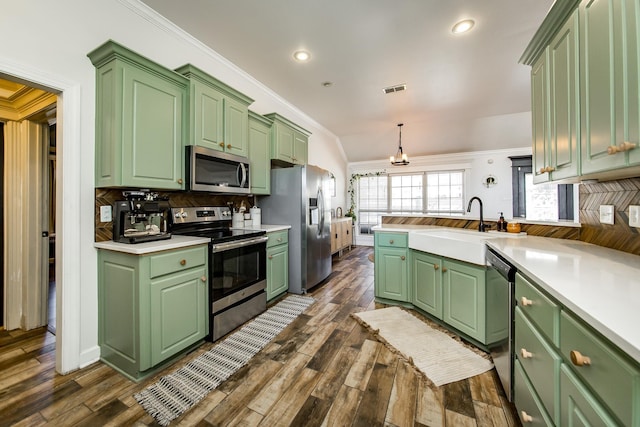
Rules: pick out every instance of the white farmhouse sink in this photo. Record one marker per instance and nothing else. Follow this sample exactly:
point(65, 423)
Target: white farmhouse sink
point(463, 245)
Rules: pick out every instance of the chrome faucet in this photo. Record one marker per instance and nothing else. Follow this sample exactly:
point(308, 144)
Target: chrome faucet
point(482, 226)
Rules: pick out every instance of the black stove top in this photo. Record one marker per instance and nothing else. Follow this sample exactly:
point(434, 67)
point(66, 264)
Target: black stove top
point(211, 222)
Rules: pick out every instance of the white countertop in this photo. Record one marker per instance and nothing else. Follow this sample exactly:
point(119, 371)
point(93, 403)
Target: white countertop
point(600, 285)
point(175, 242)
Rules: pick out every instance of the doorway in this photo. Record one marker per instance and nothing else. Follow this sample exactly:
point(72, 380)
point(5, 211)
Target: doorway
point(28, 183)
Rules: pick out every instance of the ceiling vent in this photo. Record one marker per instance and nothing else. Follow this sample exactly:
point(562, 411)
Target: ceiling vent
point(397, 88)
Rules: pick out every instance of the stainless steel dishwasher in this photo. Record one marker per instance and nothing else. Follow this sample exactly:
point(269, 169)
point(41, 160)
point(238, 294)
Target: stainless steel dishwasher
point(501, 273)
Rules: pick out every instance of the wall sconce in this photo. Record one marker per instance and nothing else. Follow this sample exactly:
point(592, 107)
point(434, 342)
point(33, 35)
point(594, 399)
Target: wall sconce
point(490, 181)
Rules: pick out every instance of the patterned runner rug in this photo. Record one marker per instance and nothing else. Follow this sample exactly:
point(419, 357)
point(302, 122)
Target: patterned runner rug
point(173, 394)
point(439, 357)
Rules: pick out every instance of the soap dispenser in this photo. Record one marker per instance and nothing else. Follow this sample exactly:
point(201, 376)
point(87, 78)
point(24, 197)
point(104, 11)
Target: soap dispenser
point(502, 224)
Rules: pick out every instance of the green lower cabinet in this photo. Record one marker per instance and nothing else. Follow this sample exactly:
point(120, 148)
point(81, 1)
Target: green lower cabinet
point(391, 274)
point(277, 263)
point(150, 307)
point(579, 407)
point(427, 282)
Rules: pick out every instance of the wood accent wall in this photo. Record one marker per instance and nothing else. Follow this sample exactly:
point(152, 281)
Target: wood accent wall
point(621, 194)
point(619, 236)
point(560, 232)
point(108, 196)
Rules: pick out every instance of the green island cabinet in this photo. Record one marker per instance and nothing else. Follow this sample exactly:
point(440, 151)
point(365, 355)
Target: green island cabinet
point(288, 140)
point(150, 307)
point(585, 91)
point(259, 154)
point(566, 373)
point(140, 111)
point(391, 265)
point(458, 294)
point(277, 263)
point(218, 114)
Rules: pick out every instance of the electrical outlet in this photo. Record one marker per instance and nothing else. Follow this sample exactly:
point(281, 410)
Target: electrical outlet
point(105, 213)
point(606, 214)
point(634, 216)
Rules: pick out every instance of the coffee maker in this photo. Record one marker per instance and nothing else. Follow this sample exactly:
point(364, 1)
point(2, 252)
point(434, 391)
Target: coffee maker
point(141, 218)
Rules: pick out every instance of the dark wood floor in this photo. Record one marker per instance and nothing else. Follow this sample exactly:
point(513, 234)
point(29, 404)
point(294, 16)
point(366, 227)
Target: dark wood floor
point(322, 370)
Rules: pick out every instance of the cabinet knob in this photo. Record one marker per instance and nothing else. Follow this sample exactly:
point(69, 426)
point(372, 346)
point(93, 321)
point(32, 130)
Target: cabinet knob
point(622, 147)
point(221, 144)
point(270, 256)
point(279, 239)
point(526, 418)
point(526, 301)
point(444, 269)
point(180, 181)
point(229, 146)
point(203, 278)
point(526, 354)
point(549, 169)
point(542, 170)
point(183, 262)
point(402, 257)
point(391, 242)
point(436, 266)
point(579, 359)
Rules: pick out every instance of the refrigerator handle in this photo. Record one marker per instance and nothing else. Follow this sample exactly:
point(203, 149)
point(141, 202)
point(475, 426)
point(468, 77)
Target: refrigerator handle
point(321, 209)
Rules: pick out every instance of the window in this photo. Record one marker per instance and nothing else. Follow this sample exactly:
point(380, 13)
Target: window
point(379, 195)
point(542, 202)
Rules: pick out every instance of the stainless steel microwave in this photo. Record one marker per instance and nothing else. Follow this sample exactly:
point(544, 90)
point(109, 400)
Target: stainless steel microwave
point(215, 171)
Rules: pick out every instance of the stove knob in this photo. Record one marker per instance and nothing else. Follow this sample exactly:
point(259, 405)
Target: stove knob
point(184, 214)
point(177, 215)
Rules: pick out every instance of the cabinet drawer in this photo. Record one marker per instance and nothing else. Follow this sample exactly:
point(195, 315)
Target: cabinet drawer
point(527, 401)
point(277, 238)
point(397, 240)
point(542, 311)
point(613, 378)
point(173, 261)
point(539, 360)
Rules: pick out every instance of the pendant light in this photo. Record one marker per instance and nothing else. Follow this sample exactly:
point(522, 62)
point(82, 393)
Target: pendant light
point(400, 159)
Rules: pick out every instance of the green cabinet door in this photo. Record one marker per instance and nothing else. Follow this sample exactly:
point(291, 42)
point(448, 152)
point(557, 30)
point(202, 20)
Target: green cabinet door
point(391, 274)
point(578, 407)
point(178, 312)
point(218, 114)
point(288, 140)
point(609, 82)
point(540, 117)
point(426, 279)
point(463, 287)
point(259, 155)
point(140, 110)
point(277, 270)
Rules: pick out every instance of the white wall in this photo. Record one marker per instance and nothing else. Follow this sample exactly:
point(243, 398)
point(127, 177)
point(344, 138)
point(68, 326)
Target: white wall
point(50, 41)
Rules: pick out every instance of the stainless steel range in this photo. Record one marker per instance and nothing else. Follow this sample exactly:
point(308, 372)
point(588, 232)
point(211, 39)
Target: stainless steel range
point(237, 265)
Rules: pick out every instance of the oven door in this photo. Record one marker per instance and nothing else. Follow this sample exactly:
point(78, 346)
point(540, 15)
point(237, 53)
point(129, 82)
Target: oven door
point(238, 269)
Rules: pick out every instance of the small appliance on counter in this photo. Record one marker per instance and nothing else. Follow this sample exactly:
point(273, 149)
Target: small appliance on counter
point(140, 218)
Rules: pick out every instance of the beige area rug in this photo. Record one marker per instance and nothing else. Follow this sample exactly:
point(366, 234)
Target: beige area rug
point(439, 357)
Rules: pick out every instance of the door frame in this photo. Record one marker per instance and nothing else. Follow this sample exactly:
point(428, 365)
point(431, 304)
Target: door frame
point(68, 213)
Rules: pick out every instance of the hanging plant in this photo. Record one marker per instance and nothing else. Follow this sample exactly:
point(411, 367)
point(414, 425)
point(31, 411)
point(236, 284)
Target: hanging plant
point(352, 191)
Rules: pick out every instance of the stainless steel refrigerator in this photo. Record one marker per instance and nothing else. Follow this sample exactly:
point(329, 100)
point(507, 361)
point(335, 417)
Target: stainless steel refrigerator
point(300, 198)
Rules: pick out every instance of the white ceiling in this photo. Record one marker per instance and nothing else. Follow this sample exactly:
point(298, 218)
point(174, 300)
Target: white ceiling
point(454, 82)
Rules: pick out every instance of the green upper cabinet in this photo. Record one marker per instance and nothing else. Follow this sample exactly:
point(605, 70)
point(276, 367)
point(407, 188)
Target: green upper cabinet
point(259, 153)
point(140, 110)
point(289, 141)
point(218, 114)
point(555, 107)
point(609, 69)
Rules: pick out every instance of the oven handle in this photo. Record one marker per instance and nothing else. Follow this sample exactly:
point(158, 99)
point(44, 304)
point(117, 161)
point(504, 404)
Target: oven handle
point(221, 247)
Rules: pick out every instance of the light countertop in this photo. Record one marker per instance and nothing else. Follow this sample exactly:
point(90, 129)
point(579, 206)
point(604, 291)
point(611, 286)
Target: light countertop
point(175, 242)
point(598, 284)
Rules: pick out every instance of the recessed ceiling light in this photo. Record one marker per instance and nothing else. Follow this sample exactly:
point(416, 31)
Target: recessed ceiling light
point(301, 55)
point(326, 84)
point(463, 26)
